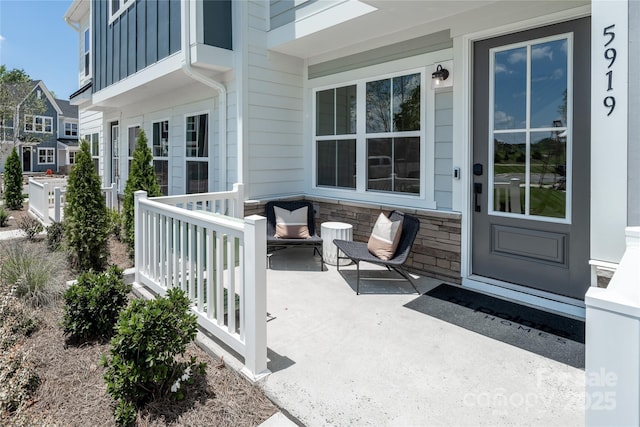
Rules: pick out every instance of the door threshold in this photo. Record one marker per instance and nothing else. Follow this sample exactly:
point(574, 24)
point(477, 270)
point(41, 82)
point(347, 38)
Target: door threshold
point(546, 301)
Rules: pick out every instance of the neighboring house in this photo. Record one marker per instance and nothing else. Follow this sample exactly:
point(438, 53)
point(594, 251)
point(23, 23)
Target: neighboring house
point(67, 135)
point(503, 125)
point(35, 128)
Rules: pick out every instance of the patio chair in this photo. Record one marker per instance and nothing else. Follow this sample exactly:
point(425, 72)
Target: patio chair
point(359, 251)
point(275, 243)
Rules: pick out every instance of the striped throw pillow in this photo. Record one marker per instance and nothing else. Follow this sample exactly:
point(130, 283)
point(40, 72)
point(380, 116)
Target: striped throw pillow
point(385, 237)
point(291, 224)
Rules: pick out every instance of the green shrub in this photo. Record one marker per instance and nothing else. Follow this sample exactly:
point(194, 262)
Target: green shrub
point(4, 217)
point(141, 364)
point(115, 224)
point(37, 274)
point(85, 213)
point(142, 176)
point(13, 181)
point(93, 303)
point(55, 236)
point(31, 227)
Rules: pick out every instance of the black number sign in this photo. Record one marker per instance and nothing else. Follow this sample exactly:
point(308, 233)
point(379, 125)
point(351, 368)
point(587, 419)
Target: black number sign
point(610, 55)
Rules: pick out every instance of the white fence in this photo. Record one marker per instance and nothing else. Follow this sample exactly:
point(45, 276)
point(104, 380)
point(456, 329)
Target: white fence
point(46, 198)
point(200, 244)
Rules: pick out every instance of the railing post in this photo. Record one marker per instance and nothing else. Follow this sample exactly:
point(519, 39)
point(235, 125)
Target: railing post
point(114, 196)
point(612, 362)
point(238, 209)
point(57, 204)
point(137, 232)
point(255, 297)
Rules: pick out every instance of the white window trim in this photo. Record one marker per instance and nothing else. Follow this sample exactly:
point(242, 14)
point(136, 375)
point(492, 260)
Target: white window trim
point(32, 122)
point(48, 153)
point(529, 130)
point(164, 158)
point(426, 197)
point(124, 5)
point(209, 149)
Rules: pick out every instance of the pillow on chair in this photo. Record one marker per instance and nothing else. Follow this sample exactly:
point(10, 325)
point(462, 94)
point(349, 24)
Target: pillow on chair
point(291, 224)
point(385, 237)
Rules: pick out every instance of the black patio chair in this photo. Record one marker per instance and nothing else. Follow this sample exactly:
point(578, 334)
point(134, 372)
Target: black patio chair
point(358, 251)
point(275, 243)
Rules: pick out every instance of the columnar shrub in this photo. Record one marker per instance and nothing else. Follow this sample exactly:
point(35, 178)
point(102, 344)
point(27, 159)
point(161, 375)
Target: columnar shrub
point(142, 364)
point(142, 176)
point(93, 303)
point(55, 236)
point(85, 215)
point(13, 181)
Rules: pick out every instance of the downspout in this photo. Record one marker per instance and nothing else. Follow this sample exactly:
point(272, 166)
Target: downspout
point(219, 87)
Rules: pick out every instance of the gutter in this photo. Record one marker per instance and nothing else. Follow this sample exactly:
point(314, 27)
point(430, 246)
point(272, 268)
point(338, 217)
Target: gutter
point(217, 86)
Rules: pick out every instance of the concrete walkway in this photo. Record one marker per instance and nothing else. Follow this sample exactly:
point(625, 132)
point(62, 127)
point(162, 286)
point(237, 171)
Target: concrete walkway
point(339, 359)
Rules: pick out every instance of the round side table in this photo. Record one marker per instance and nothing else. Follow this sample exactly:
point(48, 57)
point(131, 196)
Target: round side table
point(334, 230)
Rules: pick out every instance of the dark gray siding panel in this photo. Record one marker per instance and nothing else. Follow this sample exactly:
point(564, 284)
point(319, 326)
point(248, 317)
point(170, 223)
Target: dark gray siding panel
point(163, 29)
point(144, 33)
point(141, 53)
point(174, 26)
point(217, 23)
point(152, 31)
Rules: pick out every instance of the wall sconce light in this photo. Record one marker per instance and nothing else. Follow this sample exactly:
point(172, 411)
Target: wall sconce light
point(439, 76)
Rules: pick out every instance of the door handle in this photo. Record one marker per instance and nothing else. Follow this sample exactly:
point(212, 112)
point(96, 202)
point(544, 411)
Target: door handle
point(477, 190)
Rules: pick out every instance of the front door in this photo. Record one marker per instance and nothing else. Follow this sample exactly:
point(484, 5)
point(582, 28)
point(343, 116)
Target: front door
point(531, 137)
point(26, 159)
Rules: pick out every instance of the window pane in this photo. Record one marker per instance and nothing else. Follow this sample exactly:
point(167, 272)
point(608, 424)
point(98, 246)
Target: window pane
point(115, 5)
point(86, 41)
point(95, 147)
point(549, 84)
point(379, 164)
point(378, 106)
point(336, 165)
point(509, 168)
point(162, 173)
point(406, 165)
point(548, 170)
point(133, 135)
point(406, 103)
point(161, 139)
point(346, 110)
point(197, 136)
point(325, 112)
point(510, 89)
point(197, 177)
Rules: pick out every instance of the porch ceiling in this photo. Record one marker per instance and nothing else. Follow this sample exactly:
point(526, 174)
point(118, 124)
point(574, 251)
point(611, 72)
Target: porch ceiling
point(393, 21)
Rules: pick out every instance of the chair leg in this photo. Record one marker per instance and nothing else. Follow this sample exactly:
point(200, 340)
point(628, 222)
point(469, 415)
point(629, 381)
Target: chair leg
point(358, 278)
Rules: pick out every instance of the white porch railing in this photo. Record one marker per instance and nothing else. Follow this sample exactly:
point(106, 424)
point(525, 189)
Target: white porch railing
point(46, 198)
point(218, 259)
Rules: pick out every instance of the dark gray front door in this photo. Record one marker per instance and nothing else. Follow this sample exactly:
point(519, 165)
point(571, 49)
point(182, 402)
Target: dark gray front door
point(531, 129)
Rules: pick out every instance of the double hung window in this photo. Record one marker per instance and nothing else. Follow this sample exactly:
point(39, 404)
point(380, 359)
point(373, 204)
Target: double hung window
point(40, 124)
point(161, 154)
point(373, 128)
point(70, 129)
point(46, 156)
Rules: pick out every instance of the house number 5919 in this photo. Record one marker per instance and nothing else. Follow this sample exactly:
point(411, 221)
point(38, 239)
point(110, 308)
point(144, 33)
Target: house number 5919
point(610, 55)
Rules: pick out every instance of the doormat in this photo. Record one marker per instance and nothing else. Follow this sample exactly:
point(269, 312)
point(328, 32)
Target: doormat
point(550, 335)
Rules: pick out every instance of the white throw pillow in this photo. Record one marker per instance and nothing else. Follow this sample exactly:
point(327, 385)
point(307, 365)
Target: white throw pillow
point(385, 237)
point(291, 224)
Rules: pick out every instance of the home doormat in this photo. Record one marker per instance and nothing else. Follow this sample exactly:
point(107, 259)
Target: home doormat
point(550, 335)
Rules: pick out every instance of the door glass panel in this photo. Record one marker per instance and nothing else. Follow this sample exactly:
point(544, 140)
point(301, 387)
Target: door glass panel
point(530, 130)
point(549, 84)
point(509, 169)
point(510, 89)
point(548, 170)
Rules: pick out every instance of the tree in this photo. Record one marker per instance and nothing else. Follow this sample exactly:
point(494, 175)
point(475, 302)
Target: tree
point(142, 176)
point(85, 215)
point(17, 99)
point(13, 181)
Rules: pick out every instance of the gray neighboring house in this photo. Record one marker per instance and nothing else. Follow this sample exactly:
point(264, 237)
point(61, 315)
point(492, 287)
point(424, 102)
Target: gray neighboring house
point(44, 136)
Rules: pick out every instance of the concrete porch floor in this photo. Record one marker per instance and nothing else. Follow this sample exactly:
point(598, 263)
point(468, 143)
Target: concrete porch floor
point(339, 359)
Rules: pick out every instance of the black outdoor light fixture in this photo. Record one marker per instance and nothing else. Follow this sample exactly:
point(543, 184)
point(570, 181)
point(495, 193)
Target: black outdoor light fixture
point(440, 75)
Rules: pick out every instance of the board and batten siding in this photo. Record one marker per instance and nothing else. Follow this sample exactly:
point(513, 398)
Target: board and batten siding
point(443, 175)
point(146, 32)
point(274, 102)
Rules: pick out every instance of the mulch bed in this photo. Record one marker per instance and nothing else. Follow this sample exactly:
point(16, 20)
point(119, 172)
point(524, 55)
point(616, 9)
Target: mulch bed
point(72, 391)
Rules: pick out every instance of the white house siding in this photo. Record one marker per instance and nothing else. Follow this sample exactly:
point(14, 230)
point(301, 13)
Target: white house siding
point(274, 103)
point(443, 188)
point(90, 122)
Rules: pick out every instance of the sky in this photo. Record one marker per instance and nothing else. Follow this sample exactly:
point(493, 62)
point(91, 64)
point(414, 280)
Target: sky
point(35, 38)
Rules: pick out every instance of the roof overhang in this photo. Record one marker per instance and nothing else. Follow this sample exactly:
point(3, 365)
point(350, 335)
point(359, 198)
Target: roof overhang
point(82, 95)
